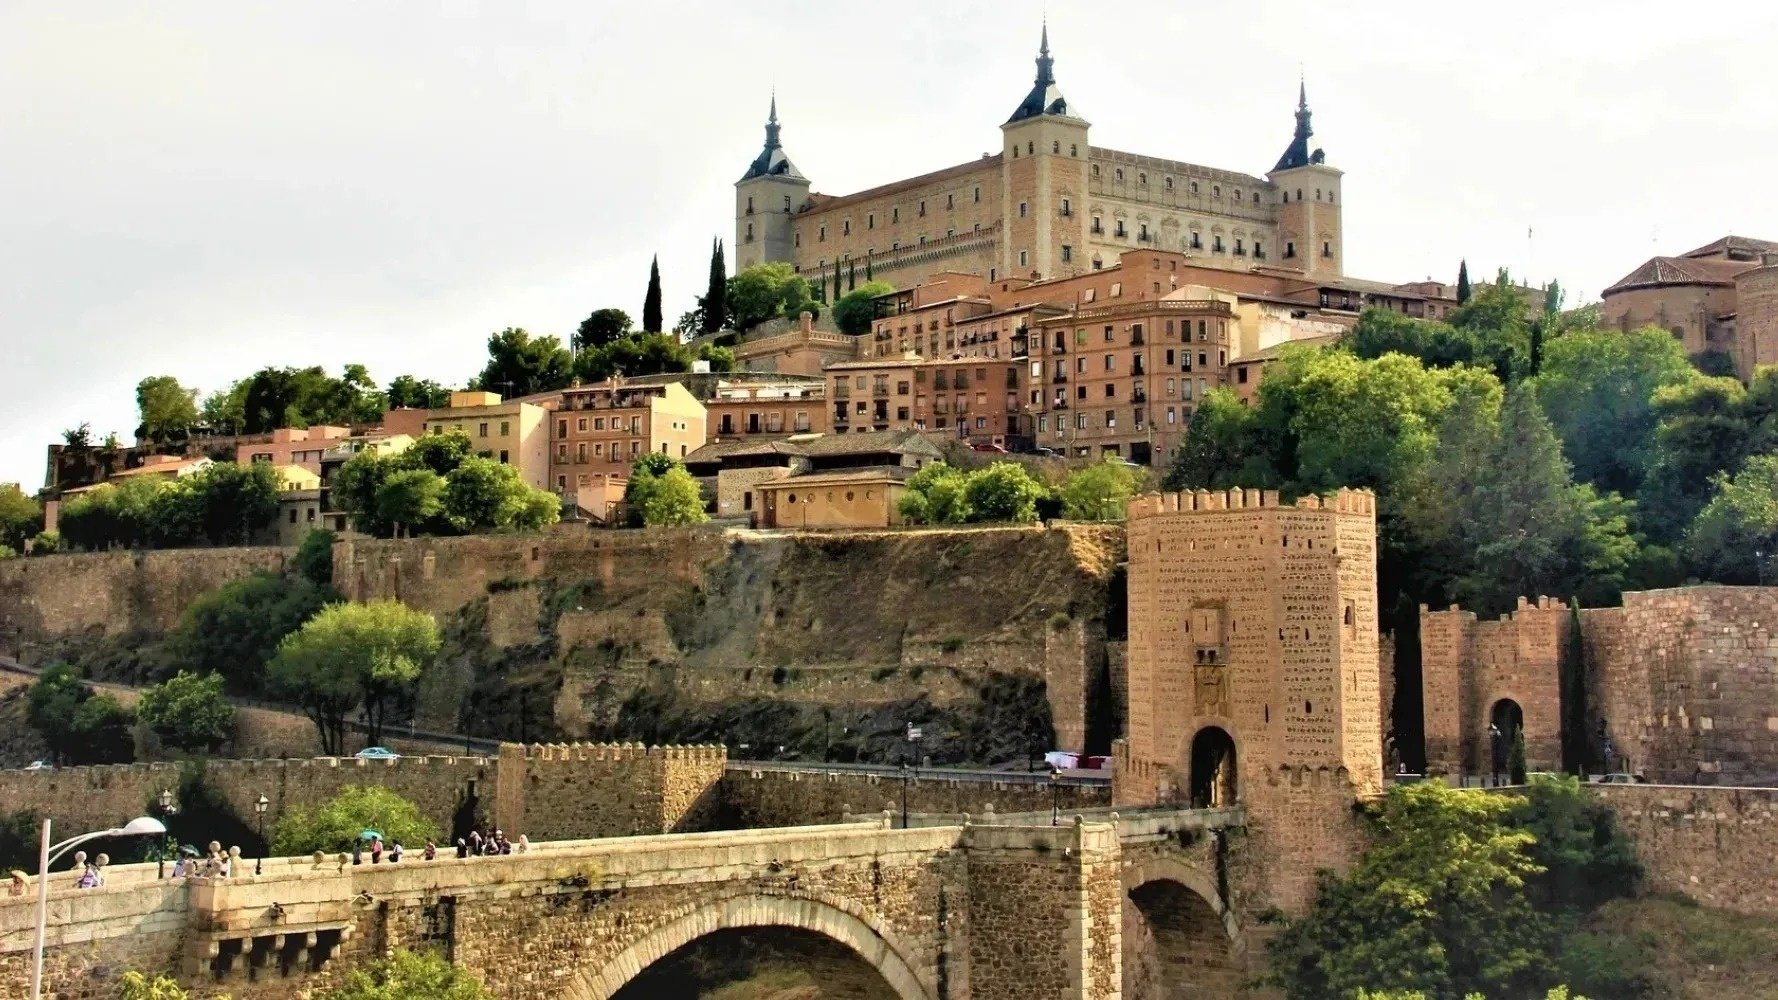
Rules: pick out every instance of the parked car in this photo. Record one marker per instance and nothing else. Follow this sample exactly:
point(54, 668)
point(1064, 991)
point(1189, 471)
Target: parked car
point(40, 765)
point(1621, 778)
point(377, 753)
point(993, 449)
point(1045, 452)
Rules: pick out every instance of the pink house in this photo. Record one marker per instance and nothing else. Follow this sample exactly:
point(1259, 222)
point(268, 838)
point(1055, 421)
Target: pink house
point(293, 446)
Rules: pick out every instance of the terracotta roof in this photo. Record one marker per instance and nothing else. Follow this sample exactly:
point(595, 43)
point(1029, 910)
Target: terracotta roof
point(1658, 271)
point(898, 442)
point(867, 474)
point(1730, 245)
point(824, 203)
point(716, 451)
point(1271, 353)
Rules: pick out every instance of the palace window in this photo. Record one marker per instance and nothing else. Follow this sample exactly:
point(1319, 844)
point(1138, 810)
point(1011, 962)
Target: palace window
point(1167, 183)
point(870, 221)
point(895, 214)
point(1194, 187)
point(1067, 253)
point(1142, 178)
point(1216, 244)
point(1289, 249)
point(1067, 208)
point(1073, 150)
point(846, 227)
point(1024, 257)
point(978, 195)
point(822, 235)
point(1120, 229)
point(1022, 207)
point(1055, 145)
point(1098, 226)
point(922, 209)
point(1216, 190)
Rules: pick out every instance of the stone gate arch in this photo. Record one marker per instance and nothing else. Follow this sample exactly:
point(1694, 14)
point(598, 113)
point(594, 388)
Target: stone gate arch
point(870, 941)
point(1180, 940)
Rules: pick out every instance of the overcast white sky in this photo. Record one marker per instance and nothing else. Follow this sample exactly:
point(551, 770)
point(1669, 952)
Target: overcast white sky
point(202, 188)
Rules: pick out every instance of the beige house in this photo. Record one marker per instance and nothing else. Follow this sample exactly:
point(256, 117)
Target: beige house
point(510, 432)
point(858, 498)
point(603, 428)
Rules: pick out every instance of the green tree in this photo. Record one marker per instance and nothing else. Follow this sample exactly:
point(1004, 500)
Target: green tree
point(601, 328)
point(1463, 289)
point(21, 517)
point(335, 825)
point(1585, 857)
point(406, 975)
point(410, 499)
point(481, 494)
point(765, 291)
point(935, 495)
point(1221, 449)
point(188, 711)
point(651, 300)
point(1436, 905)
point(1598, 390)
point(633, 354)
point(46, 543)
point(407, 392)
point(303, 397)
point(522, 365)
point(1733, 538)
point(99, 733)
point(235, 630)
point(1003, 491)
point(232, 503)
point(714, 305)
point(167, 409)
point(721, 359)
point(313, 560)
point(352, 655)
point(225, 410)
point(1100, 492)
point(661, 492)
point(854, 311)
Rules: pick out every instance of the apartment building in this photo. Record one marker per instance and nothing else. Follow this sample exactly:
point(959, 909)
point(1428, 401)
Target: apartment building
point(605, 427)
point(973, 399)
point(766, 406)
point(299, 446)
point(1124, 378)
point(511, 432)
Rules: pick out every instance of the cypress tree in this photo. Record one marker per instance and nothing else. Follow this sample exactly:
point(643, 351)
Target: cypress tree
point(716, 295)
point(1536, 346)
point(867, 274)
point(651, 301)
point(851, 274)
point(1462, 282)
point(836, 280)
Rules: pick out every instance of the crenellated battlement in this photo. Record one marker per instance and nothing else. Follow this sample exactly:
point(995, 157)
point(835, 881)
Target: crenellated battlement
point(579, 752)
point(1344, 501)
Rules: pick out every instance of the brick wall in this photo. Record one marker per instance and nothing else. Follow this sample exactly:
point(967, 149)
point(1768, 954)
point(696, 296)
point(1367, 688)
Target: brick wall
point(1687, 681)
point(1712, 844)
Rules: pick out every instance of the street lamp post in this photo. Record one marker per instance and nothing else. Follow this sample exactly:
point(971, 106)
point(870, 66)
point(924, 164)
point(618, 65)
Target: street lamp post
point(164, 802)
point(1055, 799)
point(141, 826)
point(259, 815)
point(904, 795)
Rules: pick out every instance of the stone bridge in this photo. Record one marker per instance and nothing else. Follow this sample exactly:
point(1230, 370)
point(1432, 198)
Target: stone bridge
point(1095, 907)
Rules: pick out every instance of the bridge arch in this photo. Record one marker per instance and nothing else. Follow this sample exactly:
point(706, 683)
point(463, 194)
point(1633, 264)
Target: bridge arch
point(868, 940)
point(1180, 940)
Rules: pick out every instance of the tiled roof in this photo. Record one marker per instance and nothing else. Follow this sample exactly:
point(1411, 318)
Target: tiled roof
point(1271, 353)
point(1729, 245)
point(1680, 271)
point(866, 474)
point(898, 442)
point(718, 450)
point(824, 202)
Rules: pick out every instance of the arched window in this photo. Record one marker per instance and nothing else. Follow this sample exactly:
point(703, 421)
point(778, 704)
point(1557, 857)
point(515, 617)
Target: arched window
point(1030, 147)
point(1073, 149)
point(1216, 190)
point(1167, 183)
point(1194, 187)
point(1120, 174)
point(1142, 178)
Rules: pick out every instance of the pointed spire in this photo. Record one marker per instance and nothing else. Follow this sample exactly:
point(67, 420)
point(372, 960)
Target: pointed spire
point(1045, 97)
point(772, 119)
point(772, 122)
point(1297, 153)
point(771, 159)
point(1302, 92)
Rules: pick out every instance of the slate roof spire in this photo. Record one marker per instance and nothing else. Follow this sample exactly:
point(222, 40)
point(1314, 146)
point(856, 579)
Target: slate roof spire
point(1297, 154)
point(771, 159)
point(1045, 97)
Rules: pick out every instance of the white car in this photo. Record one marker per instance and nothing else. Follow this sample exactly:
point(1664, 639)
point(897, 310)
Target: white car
point(40, 765)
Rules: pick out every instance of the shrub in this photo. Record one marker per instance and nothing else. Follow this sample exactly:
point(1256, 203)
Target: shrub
point(335, 824)
point(188, 711)
point(407, 975)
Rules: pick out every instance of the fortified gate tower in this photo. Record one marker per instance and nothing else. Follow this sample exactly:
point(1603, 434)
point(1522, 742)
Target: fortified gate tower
point(1253, 670)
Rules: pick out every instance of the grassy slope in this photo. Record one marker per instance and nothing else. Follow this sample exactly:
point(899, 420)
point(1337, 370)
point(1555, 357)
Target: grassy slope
point(1671, 948)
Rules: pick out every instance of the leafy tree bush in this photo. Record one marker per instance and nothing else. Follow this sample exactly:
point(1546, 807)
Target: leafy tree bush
point(313, 560)
point(1597, 387)
point(1437, 905)
point(188, 711)
point(80, 725)
point(47, 543)
point(601, 328)
point(1585, 858)
point(352, 655)
point(407, 975)
point(334, 825)
point(299, 397)
point(408, 392)
point(854, 311)
point(21, 517)
point(167, 409)
point(935, 495)
point(235, 630)
point(223, 504)
point(661, 492)
point(766, 291)
point(520, 365)
point(1003, 491)
point(439, 487)
point(1100, 492)
point(1732, 538)
point(137, 986)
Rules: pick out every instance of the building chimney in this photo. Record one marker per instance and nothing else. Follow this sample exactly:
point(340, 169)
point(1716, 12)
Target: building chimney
point(807, 321)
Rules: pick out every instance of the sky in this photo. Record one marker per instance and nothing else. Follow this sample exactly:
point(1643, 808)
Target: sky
point(202, 188)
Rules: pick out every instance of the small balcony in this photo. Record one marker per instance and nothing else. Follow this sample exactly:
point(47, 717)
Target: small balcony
point(1060, 378)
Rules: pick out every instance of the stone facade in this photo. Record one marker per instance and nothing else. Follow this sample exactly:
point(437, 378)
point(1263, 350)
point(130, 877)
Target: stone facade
point(1712, 844)
point(1686, 681)
point(1473, 673)
point(766, 797)
point(942, 912)
point(1253, 668)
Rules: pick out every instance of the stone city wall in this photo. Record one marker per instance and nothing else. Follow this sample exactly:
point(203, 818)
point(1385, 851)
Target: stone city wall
point(544, 792)
point(766, 798)
point(97, 935)
point(1687, 682)
point(1712, 844)
point(1467, 667)
point(114, 593)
